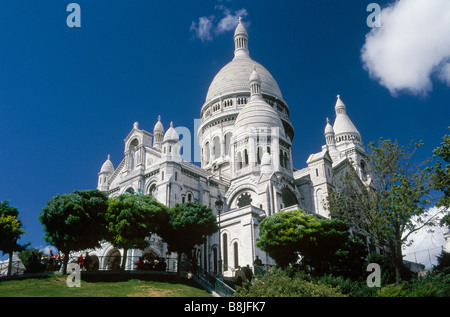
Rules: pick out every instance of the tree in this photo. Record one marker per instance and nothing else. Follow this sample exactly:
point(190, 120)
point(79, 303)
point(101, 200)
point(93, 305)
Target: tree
point(131, 219)
point(440, 177)
point(280, 235)
point(188, 225)
point(11, 229)
point(393, 206)
point(75, 221)
point(331, 249)
point(325, 245)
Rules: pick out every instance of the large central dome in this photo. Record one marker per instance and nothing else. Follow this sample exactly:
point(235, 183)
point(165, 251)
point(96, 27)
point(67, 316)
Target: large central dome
point(233, 78)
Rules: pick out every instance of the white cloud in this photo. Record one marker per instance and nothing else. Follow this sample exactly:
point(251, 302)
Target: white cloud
point(203, 28)
point(427, 244)
point(412, 46)
point(208, 26)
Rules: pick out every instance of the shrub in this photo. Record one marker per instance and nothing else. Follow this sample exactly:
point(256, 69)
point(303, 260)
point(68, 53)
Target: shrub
point(278, 283)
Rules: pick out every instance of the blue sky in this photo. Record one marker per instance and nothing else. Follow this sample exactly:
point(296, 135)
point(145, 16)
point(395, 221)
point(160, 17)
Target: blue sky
point(69, 96)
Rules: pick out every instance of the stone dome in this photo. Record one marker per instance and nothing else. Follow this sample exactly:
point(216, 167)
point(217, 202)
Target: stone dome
point(328, 128)
point(342, 124)
point(107, 167)
point(171, 134)
point(233, 78)
point(257, 114)
point(158, 126)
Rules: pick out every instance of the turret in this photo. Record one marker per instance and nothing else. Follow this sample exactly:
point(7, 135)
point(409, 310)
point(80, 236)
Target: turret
point(105, 173)
point(158, 134)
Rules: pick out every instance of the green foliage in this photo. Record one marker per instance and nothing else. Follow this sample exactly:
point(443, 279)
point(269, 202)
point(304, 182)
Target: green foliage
point(188, 225)
point(278, 283)
point(324, 244)
point(433, 284)
point(75, 221)
point(440, 177)
point(443, 261)
point(394, 206)
point(131, 219)
point(281, 234)
point(11, 228)
point(348, 286)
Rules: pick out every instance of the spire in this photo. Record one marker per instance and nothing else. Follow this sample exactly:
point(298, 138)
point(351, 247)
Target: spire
point(255, 83)
point(158, 133)
point(340, 106)
point(240, 40)
point(344, 129)
point(329, 134)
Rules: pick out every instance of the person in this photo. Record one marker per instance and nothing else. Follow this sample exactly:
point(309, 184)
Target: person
point(34, 262)
point(139, 263)
point(80, 261)
point(257, 266)
point(257, 261)
point(238, 276)
point(247, 273)
point(87, 261)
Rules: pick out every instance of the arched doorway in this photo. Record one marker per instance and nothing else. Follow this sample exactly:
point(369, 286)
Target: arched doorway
point(112, 260)
point(95, 263)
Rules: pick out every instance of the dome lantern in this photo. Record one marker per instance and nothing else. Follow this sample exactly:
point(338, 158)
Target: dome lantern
point(240, 39)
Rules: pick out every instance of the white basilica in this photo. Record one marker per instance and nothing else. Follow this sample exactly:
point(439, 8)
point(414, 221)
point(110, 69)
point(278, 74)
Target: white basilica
point(246, 161)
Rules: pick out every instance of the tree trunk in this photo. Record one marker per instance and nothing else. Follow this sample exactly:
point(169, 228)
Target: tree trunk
point(398, 261)
point(10, 264)
point(124, 260)
point(65, 261)
point(179, 264)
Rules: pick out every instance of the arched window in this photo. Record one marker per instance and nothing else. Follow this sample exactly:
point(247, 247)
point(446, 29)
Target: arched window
point(236, 254)
point(227, 143)
point(215, 261)
point(259, 155)
point(132, 155)
point(225, 249)
point(216, 147)
point(286, 160)
point(281, 159)
point(207, 154)
point(246, 157)
point(239, 161)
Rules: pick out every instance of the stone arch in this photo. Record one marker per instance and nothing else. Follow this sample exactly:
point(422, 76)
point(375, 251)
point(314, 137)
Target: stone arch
point(112, 259)
point(152, 189)
point(289, 198)
point(129, 190)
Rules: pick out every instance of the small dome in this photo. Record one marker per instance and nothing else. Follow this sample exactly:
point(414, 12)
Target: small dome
point(158, 126)
point(108, 166)
point(240, 29)
point(257, 114)
point(328, 128)
point(171, 134)
point(254, 76)
point(343, 125)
